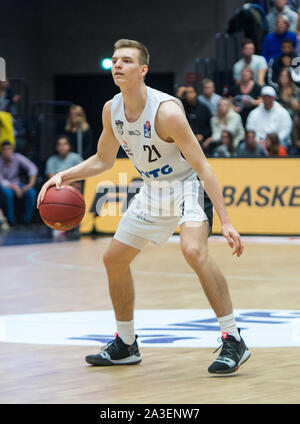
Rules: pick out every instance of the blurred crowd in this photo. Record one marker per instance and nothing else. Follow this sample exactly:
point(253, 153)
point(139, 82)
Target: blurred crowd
point(258, 116)
point(18, 173)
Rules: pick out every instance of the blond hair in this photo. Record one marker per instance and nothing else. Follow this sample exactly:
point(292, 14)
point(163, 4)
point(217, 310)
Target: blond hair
point(84, 124)
point(143, 51)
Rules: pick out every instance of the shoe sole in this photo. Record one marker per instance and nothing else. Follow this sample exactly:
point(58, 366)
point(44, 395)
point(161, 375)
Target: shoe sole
point(244, 358)
point(132, 360)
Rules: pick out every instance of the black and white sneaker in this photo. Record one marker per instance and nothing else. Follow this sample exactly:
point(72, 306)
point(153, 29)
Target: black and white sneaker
point(116, 352)
point(232, 355)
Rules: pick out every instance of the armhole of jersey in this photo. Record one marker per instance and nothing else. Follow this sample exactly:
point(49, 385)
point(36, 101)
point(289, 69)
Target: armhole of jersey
point(114, 104)
point(172, 99)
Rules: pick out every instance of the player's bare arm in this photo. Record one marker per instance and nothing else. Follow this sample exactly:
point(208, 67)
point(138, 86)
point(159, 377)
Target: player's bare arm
point(100, 162)
point(172, 125)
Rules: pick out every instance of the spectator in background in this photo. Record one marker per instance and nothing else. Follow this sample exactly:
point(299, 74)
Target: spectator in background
point(63, 159)
point(180, 90)
point(250, 147)
point(77, 127)
point(288, 92)
point(280, 62)
point(272, 42)
point(225, 119)
point(257, 63)
point(209, 97)
point(246, 95)
point(11, 165)
point(270, 117)
point(225, 148)
point(294, 149)
point(280, 8)
point(274, 147)
point(8, 100)
point(197, 114)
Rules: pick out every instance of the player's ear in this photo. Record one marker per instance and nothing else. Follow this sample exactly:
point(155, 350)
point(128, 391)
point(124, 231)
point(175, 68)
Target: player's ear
point(144, 70)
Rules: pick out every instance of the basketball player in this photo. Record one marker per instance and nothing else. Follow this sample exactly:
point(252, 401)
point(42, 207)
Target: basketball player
point(153, 129)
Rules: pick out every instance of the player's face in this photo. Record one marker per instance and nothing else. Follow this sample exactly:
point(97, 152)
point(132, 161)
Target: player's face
point(126, 68)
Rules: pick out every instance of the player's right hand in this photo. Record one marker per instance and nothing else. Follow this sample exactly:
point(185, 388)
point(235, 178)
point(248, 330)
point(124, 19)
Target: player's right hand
point(55, 180)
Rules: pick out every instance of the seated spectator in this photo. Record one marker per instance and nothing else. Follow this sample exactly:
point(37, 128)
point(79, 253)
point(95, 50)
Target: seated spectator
point(294, 149)
point(270, 117)
point(77, 126)
point(8, 100)
point(257, 63)
point(246, 95)
point(280, 62)
point(180, 90)
point(250, 147)
point(63, 159)
point(225, 119)
point(288, 92)
point(280, 8)
point(11, 165)
point(197, 114)
point(225, 148)
point(274, 147)
point(251, 19)
point(208, 96)
point(272, 42)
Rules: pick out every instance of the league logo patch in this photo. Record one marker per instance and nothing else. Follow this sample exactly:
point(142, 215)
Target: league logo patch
point(119, 125)
point(147, 129)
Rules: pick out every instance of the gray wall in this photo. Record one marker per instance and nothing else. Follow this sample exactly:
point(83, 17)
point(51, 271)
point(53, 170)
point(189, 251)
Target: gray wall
point(39, 39)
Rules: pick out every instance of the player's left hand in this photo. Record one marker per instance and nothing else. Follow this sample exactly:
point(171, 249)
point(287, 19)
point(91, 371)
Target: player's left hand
point(233, 238)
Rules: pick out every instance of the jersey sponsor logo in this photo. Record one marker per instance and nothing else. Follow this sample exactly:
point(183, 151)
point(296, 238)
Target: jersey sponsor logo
point(147, 129)
point(134, 132)
point(119, 125)
point(156, 328)
point(157, 172)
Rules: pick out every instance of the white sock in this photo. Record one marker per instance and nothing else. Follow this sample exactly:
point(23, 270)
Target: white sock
point(228, 325)
point(126, 331)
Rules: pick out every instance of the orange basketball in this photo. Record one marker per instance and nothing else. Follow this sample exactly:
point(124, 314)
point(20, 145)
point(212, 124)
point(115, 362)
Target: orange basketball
point(62, 209)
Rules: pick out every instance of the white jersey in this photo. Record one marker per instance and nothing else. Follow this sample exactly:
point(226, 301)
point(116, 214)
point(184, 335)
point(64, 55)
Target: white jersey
point(154, 158)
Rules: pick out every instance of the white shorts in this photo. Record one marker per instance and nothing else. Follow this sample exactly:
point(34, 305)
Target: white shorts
point(154, 215)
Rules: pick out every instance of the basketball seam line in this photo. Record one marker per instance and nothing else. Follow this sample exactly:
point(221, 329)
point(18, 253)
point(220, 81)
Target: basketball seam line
point(64, 188)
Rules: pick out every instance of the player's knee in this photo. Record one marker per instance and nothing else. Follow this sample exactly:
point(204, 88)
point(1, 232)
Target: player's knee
point(195, 255)
point(113, 260)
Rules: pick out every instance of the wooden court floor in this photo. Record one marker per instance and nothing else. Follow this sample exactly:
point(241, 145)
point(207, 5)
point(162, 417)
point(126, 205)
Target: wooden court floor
point(68, 277)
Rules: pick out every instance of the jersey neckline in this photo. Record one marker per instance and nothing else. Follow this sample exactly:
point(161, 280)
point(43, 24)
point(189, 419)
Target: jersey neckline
point(141, 115)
